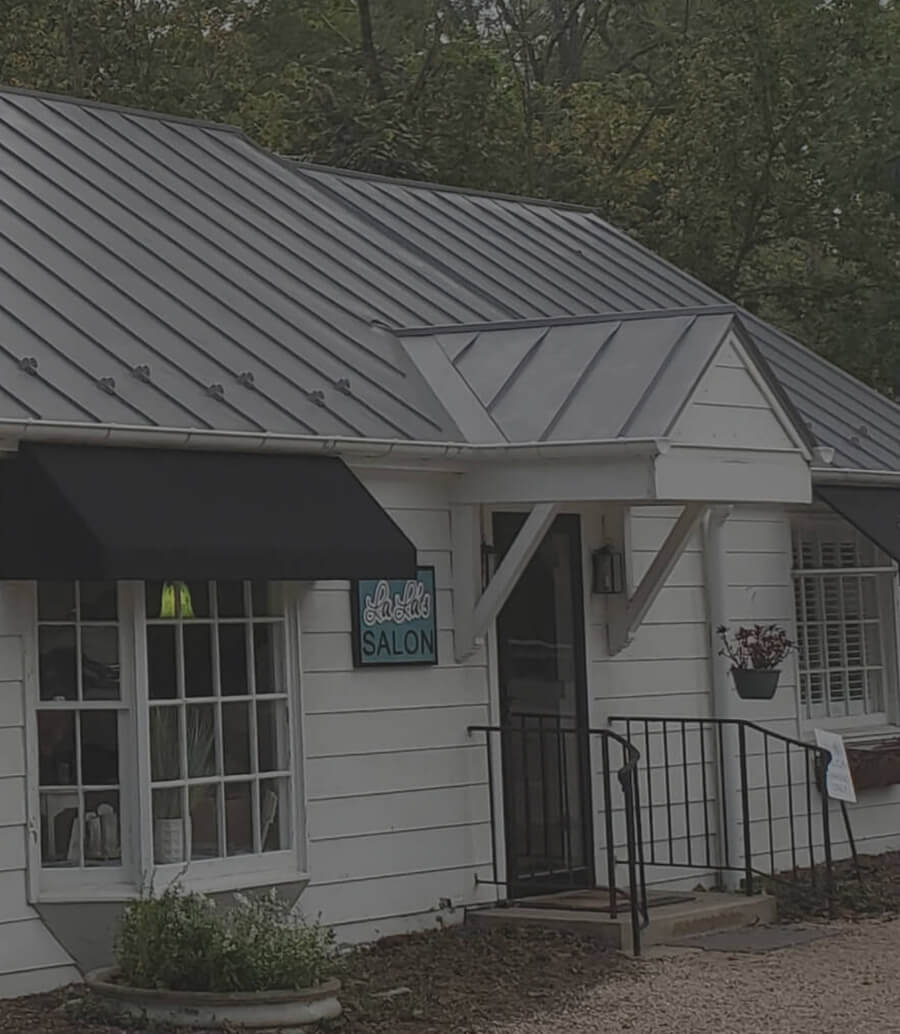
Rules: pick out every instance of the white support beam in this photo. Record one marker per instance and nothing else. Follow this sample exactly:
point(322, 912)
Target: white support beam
point(465, 536)
point(504, 580)
point(622, 626)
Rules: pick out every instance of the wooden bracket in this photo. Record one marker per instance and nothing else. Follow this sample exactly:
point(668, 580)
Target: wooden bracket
point(473, 617)
point(623, 626)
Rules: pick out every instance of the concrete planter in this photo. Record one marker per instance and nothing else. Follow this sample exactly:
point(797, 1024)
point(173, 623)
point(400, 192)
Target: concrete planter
point(282, 1011)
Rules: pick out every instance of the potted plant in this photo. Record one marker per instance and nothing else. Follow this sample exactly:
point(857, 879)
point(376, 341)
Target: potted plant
point(755, 653)
point(183, 961)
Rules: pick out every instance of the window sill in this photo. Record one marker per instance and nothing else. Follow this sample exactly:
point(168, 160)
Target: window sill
point(220, 884)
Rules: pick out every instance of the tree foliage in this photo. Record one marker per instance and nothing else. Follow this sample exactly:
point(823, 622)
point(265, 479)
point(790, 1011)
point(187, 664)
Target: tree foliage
point(754, 143)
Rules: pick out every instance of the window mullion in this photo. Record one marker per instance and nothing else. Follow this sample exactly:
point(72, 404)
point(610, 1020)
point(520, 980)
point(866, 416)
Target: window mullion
point(841, 582)
point(133, 618)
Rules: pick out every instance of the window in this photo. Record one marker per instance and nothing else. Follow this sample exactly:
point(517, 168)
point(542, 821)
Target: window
point(844, 601)
point(218, 713)
point(163, 729)
point(80, 716)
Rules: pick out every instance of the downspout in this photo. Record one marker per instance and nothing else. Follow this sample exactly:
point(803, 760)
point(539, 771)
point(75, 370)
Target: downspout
point(721, 702)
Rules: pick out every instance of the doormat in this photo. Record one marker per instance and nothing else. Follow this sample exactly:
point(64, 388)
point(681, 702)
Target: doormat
point(756, 940)
point(597, 900)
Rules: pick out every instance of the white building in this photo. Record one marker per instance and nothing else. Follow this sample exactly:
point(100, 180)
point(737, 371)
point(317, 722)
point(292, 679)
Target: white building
point(233, 386)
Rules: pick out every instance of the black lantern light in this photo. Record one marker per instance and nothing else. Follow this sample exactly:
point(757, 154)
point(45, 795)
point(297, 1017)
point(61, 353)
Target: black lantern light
point(608, 571)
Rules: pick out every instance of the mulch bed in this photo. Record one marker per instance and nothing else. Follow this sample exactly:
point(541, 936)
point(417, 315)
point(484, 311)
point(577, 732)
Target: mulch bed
point(876, 893)
point(445, 982)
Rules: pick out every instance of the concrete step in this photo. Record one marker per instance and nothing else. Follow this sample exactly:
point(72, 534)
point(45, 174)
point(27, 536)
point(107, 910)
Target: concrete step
point(707, 911)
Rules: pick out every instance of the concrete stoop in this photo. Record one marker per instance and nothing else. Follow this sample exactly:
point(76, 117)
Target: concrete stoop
point(705, 912)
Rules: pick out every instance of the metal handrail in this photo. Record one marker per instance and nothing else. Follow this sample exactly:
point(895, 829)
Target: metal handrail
point(627, 775)
point(816, 757)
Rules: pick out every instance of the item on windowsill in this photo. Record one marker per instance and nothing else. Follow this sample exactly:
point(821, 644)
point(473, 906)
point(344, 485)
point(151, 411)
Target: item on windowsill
point(168, 841)
point(755, 652)
point(109, 831)
point(93, 846)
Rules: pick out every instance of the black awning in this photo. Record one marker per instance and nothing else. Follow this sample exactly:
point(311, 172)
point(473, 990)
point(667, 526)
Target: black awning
point(873, 511)
point(72, 512)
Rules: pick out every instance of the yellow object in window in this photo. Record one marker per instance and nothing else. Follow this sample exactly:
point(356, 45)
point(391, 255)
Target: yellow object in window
point(167, 602)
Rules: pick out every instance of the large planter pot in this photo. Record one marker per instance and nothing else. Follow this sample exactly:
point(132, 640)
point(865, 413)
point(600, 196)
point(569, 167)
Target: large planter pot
point(282, 1011)
point(755, 684)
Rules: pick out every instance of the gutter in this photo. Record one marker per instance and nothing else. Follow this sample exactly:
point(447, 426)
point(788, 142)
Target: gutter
point(12, 432)
point(848, 476)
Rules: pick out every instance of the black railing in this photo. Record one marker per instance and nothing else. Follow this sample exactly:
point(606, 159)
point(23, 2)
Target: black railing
point(547, 767)
point(706, 778)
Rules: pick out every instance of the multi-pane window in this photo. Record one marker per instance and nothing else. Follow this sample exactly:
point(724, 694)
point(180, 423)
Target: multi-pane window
point(843, 595)
point(163, 727)
point(80, 718)
point(218, 719)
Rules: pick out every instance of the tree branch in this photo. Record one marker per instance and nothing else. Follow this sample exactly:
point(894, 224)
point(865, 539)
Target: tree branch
point(370, 54)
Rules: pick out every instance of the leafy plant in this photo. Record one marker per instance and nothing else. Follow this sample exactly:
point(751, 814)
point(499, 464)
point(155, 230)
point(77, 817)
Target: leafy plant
point(181, 941)
point(757, 647)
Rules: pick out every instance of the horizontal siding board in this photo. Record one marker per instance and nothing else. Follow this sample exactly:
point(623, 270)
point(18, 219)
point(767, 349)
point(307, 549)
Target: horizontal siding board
point(395, 853)
point(14, 897)
point(731, 386)
point(12, 711)
point(11, 658)
point(354, 733)
point(728, 426)
point(12, 800)
point(12, 752)
point(37, 981)
point(330, 692)
point(389, 813)
point(399, 895)
point(28, 944)
point(12, 848)
point(389, 772)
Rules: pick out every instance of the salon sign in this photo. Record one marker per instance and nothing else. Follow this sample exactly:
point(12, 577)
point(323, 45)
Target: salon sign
point(395, 620)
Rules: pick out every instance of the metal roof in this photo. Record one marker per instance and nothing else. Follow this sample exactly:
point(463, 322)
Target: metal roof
point(157, 271)
point(573, 379)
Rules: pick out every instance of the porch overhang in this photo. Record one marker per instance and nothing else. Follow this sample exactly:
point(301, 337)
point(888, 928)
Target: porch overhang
point(641, 473)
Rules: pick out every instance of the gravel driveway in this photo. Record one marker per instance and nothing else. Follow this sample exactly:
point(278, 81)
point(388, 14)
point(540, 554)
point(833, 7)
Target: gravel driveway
point(839, 985)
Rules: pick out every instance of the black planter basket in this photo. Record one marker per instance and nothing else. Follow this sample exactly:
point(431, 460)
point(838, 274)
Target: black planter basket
point(755, 683)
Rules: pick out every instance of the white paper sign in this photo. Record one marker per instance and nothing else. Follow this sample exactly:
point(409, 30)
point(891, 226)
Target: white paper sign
point(838, 780)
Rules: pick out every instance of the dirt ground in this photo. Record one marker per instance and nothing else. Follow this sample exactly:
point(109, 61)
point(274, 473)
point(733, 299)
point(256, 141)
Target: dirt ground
point(459, 980)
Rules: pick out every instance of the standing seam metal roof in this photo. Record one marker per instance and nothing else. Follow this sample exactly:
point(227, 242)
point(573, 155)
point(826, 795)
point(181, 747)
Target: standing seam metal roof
point(161, 271)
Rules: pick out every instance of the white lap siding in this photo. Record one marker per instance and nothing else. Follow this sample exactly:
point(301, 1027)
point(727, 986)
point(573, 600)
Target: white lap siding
point(31, 959)
point(663, 672)
point(396, 791)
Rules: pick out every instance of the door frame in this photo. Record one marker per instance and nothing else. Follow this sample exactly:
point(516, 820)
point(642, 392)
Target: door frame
point(573, 524)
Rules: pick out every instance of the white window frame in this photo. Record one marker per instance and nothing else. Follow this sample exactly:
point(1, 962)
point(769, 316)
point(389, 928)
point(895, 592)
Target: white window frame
point(886, 572)
point(138, 871)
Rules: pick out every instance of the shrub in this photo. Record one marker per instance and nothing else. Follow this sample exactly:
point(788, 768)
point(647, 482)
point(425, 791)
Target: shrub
point(183, 942)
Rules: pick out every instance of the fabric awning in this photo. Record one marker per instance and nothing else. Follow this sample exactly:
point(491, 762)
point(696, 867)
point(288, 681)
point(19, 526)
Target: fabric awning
point(873, 511)
point(75, 512)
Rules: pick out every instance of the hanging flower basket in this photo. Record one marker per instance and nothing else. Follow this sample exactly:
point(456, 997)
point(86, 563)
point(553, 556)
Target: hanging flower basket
point(755, 685)
point(755, 653)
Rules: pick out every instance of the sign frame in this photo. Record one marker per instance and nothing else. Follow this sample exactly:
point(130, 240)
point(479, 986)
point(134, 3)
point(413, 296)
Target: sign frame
point(359, 661)
point(838, 777)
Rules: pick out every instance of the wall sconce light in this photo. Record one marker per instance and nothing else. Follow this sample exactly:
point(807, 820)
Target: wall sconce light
point(608, 571)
